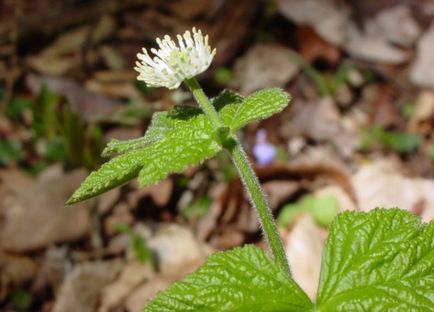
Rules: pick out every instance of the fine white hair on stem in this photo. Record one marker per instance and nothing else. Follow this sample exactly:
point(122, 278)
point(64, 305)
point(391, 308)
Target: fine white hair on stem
point(173, 63)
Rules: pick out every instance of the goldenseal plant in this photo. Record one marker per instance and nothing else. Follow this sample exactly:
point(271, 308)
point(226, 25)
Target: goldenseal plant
point(377, 261)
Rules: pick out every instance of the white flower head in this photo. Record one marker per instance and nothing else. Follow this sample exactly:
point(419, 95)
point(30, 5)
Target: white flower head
point(172, 63)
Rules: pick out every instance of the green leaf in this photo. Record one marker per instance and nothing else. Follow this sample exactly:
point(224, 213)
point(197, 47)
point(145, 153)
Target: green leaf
point(17, 106)
point(10, 151)
point(111, 174)
point(399, 142)
point(156, 130)
point(259, 105)
point(226, 97)
point(378, 261)
point(175, 140)
point(242, 279)
point(190, 141)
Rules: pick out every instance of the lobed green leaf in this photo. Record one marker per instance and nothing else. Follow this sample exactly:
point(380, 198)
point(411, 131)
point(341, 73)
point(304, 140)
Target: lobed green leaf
point(174, 140)
point(237, 112)
point(159, 126)
point(242, 279)
point(191, 142)
point(378, 261)
point(111, 174)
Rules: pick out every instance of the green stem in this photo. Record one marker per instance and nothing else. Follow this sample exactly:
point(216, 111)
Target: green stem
point(204, 102)
point(248, 177)
point(257, 197)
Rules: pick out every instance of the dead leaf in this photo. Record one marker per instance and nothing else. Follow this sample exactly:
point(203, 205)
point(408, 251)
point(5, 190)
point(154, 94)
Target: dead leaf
point(132, 275)
point(112, 57)
point(56, 264)
point(305, 241)
point(422, 71)
point(321, 121)
point(333, 23)
point(138, 299)
point(278, 192)
point(57, 59)
point(188, 9)
point(383, 111)
point(263, 66)
point(159, 193)
point(318, 120)
point(92, 106)
point(63, 55)
point(174, 246)
point(82, 287)
point(381, 184)
point(422, 119)
point(37, 217)
point(328, 21)
point(14, 272)
point(142, 294)
point(395, 25)
point(372, 48)
point(313, 47)
point(13, 181)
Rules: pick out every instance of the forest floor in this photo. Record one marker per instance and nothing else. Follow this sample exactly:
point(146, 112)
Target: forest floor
point(358, 134)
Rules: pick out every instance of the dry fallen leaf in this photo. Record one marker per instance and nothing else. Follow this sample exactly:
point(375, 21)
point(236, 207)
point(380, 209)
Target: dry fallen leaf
point(333, 23)
point(92, 106)
point(305, 241)
point(395, 25)
point(140, 296)
point(15, 270)
point(422, 71)
point(320, 120)
point(327, 20)
point(82, 287)
point(37, 217)
point(174, 246)
point(263, 66)
point(422, 119)
point(381, 184)
point(131, 276)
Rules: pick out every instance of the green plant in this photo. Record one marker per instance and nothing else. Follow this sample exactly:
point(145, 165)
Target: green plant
point(399, 142)
point(59, 133)
point(138, 245)
point(326, 85)
point(10, 151)
point(373, 261)
point(323, 209)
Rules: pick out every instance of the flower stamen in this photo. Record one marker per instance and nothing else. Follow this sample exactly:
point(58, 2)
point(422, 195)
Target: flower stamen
point(173, 63)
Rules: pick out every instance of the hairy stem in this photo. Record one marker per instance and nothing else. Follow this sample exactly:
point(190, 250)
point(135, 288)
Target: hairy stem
point(257, 197)
point(248, 177)
point(204, 102)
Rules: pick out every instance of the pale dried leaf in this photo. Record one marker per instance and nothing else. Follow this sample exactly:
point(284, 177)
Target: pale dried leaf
point(422, 71)
point(263, 66)
point(41, 207)
point(305, 241)
point(381, 184)
point(82, 287)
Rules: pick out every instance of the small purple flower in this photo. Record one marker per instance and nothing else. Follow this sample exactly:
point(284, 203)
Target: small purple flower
point(264, 152)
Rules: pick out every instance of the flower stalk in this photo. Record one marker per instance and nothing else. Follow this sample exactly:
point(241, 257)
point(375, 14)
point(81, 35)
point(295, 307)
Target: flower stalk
point(248, 177)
